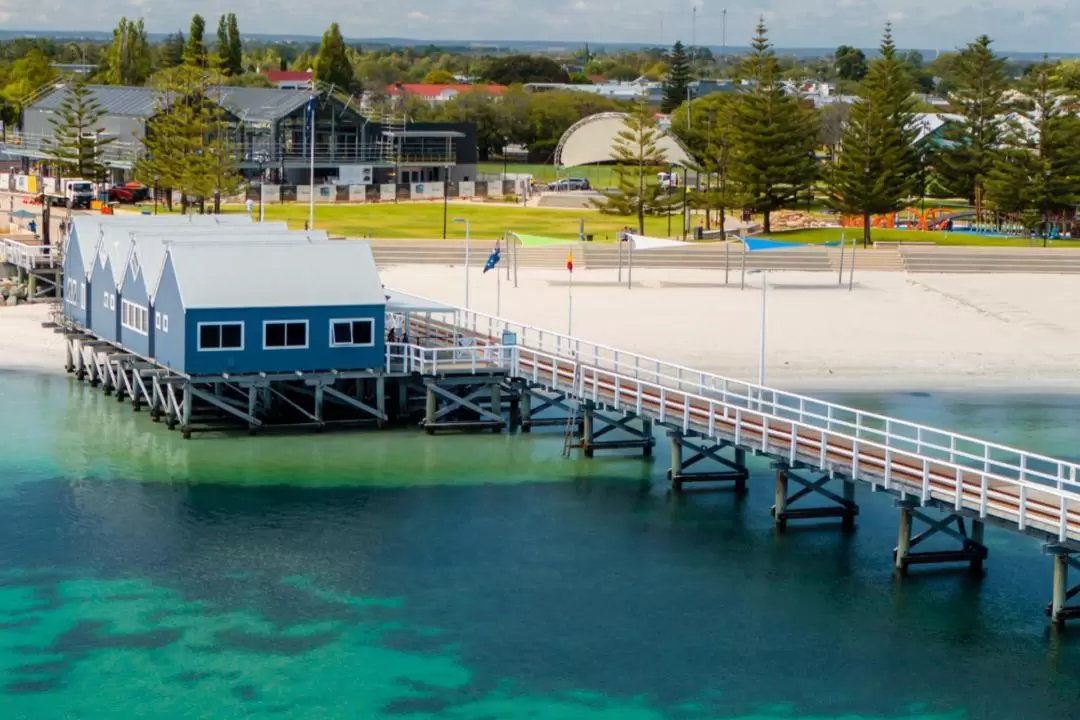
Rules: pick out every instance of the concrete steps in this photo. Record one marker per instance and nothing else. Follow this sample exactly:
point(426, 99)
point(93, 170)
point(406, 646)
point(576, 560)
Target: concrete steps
point(1055, 261)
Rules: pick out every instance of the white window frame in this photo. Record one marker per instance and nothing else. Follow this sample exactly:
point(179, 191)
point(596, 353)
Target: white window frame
point(307, 334)
point(368, 320)
point(105, 300)
point(134, 317)
point(71, 292)
point(165, 327)
point(157, 320)
point(198, 336)
point(82, 295)
point(112, 301)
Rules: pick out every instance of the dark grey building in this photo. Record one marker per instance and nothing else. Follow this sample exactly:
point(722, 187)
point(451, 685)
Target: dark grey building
point(270, 130)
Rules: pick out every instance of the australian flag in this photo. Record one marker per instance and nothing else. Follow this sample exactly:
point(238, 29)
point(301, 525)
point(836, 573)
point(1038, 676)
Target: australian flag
point(493, 259)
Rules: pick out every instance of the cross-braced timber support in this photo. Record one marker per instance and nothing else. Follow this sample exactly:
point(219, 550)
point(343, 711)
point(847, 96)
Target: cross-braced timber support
point(458, 405)
point(971, 551)
point(843, 506)
point(1058, 610)
point(534, 400)
point(640, 437)
point(731, 473)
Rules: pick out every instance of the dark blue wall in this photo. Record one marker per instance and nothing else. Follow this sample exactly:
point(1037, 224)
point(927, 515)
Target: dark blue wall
point(252, 359)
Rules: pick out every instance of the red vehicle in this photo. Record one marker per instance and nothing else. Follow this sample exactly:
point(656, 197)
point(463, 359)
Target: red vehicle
point(129, 193)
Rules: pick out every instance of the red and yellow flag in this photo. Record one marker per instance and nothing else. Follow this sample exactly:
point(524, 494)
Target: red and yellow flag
point(570, 261)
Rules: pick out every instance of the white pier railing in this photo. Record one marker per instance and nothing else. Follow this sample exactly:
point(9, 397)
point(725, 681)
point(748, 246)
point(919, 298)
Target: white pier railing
point(1004, 483)
point(27, 256)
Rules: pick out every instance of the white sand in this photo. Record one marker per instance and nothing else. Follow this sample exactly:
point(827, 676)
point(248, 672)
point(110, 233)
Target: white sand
point(25, 345)
point(894, 332)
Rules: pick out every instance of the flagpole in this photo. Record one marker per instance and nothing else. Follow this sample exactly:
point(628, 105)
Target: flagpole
point(311, 186)
point(570, 306)
point(498, 294)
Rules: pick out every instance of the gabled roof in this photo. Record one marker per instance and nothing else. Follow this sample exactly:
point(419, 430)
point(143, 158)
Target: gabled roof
point(114, 100)
point(149, 244)
point(262, 105)
point(88, 228)
point(245, 274)
point(250, 104)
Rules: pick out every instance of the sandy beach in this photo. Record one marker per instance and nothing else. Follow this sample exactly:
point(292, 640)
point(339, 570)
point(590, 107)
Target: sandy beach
point(894, 332)
point(25, 345)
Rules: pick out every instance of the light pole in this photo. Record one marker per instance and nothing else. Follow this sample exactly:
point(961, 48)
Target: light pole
point(764, 304)
point(466, 222)
point(261, 158)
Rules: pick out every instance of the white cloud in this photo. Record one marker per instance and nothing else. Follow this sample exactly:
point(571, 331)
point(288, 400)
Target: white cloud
point(1034, 25)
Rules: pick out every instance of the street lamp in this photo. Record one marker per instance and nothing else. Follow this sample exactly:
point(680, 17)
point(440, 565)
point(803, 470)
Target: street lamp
point(1046, 208)
point(261, 158)
point(466, 222)
point(764, 296)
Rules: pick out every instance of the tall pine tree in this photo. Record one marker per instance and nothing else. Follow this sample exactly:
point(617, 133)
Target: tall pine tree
point(1036, 175)
point(171, 52)
point(638, 158)
point(878, 165)
point(972, 143)
point(772, 137)
point(332, 64)
point(677, 79)
point(236, 47)
point(189, 142)
point(77, 143)
point(195, 48)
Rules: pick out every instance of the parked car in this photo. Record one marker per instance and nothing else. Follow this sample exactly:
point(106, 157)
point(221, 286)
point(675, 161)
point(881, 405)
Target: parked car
point(570, 184)
point(129, 193)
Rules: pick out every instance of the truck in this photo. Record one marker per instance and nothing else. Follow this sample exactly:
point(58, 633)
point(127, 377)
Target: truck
point(78, 193)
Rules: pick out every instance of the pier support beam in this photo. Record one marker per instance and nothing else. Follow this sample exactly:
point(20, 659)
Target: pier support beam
point(1059, 611)
point(595, 424)
point(466, 399)
point(972, 550)
point(843, 506)
point(730, 474)
point(526, 410)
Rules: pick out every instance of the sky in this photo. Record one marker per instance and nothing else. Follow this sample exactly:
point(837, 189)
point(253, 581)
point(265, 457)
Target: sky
point(1015, 25)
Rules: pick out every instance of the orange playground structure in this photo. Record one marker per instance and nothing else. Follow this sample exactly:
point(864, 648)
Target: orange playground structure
point(908, 219)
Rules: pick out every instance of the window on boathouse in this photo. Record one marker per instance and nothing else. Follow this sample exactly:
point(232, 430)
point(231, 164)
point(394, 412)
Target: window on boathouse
point(352, 333)
point(285, 334)
point(221, 336)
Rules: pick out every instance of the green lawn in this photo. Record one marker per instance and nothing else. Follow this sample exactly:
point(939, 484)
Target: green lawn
point(425, 220)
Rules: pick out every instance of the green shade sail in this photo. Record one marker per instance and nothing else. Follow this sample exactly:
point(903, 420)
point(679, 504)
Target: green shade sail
point(541, 241)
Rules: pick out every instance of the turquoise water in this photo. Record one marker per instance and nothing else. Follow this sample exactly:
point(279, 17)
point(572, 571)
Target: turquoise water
point(378, 575)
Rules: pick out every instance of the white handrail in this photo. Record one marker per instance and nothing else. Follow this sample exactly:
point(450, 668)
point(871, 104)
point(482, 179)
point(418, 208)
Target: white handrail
point(893, 432)
point(992, 494)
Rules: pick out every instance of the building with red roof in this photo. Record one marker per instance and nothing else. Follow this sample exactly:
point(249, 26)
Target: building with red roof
point(290, 79)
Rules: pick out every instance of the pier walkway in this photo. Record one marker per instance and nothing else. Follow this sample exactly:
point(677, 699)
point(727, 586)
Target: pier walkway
point(949, 482)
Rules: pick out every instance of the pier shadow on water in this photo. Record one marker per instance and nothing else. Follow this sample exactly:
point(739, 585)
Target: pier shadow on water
point(396, 575)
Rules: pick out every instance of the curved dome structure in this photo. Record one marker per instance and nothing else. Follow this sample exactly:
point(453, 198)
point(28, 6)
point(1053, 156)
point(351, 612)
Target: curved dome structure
point(592, 139)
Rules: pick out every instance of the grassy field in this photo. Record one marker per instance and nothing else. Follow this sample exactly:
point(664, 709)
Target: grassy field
point(425, 220)
point(489, 221)
point(911, 236)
